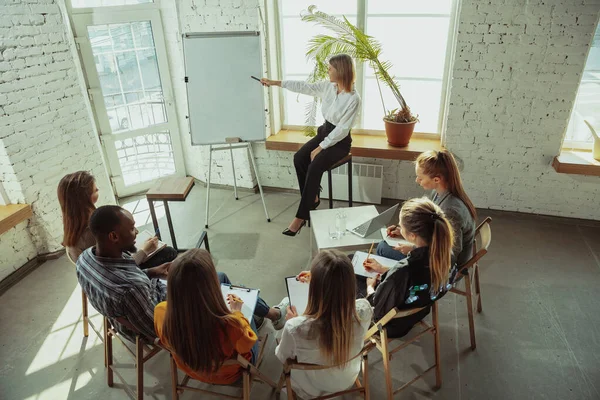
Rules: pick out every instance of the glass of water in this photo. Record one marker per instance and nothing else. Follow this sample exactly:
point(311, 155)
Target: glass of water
point(333, 232)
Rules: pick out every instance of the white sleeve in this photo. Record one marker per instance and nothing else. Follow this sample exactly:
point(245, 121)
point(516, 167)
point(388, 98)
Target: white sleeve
point(311, 89)
point(286, 348)
point(343, 127)
point(365, 313)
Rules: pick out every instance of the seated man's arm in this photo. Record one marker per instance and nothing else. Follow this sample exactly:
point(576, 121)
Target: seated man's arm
point(139, 310)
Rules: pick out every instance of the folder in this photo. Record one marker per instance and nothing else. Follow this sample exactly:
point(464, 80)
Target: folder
point(297, 293)
point(145, 235)
point(249, 297)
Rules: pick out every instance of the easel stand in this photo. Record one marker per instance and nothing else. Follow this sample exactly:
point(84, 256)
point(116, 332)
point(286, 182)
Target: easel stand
point(230, 147)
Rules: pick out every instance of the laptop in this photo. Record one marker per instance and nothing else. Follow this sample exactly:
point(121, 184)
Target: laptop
point(373, 224)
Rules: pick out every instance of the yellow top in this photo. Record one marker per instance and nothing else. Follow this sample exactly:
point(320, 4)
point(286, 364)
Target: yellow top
point(241, 342)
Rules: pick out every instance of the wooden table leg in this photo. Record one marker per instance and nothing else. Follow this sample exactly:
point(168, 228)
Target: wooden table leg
point(154, 220)
point(168, 213)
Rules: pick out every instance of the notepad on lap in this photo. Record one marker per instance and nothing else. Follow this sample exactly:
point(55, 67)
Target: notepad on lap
point(391, 240)
point(361, 256)
point(249, 296)
point(297, 293)
point(145, 235)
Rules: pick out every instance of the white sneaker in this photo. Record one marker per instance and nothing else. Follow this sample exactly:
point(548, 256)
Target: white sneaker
point(282, 307)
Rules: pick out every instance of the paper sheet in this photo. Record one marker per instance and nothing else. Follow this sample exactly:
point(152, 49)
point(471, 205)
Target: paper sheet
point(249, 296)
point(393, 241)
point(298, 293)
point(361, 256)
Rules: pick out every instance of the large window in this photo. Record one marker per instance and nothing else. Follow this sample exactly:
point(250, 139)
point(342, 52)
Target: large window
point(587, 103)
point(414, 35)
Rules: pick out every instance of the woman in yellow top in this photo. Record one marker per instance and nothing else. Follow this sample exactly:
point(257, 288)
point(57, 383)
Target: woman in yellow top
point(197, 326)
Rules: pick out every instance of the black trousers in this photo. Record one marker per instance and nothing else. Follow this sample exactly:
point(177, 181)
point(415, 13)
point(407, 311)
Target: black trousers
point(310, 173)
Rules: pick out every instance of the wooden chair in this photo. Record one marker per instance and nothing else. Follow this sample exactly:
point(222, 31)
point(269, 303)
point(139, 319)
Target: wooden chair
point(345, 160)
point(377, 334)
point(480, 248)
point(250, 373)
point(144, 350)
point(84, 313)
point(362, 388)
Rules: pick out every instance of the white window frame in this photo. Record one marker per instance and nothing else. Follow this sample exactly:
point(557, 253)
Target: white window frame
point(275, 47)
point(83, 17)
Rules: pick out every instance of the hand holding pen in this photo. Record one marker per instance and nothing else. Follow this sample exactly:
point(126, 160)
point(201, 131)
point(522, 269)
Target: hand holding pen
point(235, 303)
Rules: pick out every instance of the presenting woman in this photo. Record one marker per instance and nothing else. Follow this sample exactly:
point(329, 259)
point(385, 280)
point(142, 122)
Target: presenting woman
point(340, 106)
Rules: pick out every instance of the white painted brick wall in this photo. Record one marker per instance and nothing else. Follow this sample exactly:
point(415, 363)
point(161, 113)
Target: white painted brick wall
point(16, 247)
point(516, 71)
point(45, 129)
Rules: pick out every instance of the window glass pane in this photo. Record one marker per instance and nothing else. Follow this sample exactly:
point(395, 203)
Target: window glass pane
point(428, 37)
point(587, 102)
point(296, 35)
point(296, 106)
point(144, 158)
point(127, 67)
point(409, 7)
point(335, 7)
point(105, 3)
point(423, 98)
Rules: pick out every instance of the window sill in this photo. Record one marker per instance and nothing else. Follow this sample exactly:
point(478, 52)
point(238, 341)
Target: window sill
point(373, 146)
point(577, 163)
point(11, 215)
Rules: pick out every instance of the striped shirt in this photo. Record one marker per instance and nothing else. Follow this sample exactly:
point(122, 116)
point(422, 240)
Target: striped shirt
point(119, 288)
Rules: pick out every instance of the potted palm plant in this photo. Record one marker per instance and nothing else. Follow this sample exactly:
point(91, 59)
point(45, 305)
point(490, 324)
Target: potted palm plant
point(347, 38)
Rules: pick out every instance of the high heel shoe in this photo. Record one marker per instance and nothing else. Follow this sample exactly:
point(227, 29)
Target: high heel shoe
point(289, 232)
point(316, 205)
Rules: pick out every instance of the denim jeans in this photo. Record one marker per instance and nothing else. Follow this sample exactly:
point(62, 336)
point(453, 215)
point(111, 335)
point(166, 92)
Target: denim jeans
point(262, 308)
point(387, 251)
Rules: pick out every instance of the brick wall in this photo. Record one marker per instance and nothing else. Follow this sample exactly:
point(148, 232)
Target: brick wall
point(186, 16)
point(45, 128)
point(517, 68)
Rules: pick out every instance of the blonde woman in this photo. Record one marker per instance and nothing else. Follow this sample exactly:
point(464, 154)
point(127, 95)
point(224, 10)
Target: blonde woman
point(423, 276)
point(340, 106)
point(331, 330)
point(437, 171)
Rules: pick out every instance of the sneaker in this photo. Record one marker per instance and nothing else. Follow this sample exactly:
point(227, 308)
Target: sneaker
point(282, 307)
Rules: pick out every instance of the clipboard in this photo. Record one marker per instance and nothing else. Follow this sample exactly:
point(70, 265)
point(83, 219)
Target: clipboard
point(297, 293)
point(361, 256)
point(249, 296)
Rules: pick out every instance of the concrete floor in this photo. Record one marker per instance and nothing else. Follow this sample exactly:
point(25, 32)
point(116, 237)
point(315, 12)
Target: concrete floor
point(538, 336)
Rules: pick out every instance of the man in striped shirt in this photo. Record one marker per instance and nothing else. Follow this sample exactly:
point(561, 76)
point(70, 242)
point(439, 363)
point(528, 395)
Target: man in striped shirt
point(111, 279)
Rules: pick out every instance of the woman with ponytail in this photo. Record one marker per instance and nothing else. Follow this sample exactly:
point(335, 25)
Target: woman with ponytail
point(423, 276)
point(438, 171)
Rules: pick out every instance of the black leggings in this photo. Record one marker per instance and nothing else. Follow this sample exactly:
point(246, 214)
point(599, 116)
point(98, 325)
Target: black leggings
point(310, 173)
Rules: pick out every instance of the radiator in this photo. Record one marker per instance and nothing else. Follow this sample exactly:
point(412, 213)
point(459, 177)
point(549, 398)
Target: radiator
point(367, 183)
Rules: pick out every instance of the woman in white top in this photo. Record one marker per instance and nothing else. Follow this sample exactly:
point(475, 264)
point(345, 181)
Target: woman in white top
point(331, 329)
point(340, 106)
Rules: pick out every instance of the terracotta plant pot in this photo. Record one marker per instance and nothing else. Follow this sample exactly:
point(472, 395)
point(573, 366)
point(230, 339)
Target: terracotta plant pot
point(399, 133)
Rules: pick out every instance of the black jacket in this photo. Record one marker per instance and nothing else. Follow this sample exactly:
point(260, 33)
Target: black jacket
point(394, 290)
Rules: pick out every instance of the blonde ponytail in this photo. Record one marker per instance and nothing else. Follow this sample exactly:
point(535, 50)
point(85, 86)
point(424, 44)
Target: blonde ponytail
point(425, 219)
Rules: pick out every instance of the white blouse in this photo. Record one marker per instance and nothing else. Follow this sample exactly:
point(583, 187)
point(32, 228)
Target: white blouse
point(339, 109)
point(296, 343)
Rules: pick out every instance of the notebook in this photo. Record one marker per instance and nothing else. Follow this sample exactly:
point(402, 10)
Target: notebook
point(391, 240)
point(361, 256)
point(297, 293)
point(249, 296)
point(145, 235)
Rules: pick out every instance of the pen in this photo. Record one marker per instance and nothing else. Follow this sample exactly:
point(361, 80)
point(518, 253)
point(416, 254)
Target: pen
point(371, 249)
point(255, 78)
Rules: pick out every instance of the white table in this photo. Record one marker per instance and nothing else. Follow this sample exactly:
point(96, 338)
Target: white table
point(321, 220)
